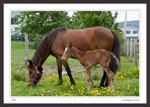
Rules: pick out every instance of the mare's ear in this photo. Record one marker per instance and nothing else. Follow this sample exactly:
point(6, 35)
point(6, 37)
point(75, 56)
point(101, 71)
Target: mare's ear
point(30, 62)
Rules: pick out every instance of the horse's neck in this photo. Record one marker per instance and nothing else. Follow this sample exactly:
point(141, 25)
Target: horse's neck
point(39, 57)
point(78, 54)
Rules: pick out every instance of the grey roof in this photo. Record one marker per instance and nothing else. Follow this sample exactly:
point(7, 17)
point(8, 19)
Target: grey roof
point(134, 23)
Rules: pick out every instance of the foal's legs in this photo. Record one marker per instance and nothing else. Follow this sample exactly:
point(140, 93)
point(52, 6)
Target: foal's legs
point(65, 63)
point(88, 74)
point(59, 67)
point(105, 64)
point(110, 75)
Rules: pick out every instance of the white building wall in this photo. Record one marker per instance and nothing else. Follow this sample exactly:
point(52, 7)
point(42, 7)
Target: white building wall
point(13, 26)
point(131, 34)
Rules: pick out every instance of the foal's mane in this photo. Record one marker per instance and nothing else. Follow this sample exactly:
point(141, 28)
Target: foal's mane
point(80, 49)
point(43, 50)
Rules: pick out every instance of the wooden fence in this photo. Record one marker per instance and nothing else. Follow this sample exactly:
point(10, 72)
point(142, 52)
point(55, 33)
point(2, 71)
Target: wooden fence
point(131, 50)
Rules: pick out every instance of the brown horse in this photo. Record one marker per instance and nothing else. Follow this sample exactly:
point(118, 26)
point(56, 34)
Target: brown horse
point(90, 58)
point(88, 39)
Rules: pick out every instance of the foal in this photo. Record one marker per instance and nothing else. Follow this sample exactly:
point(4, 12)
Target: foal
point(91, 58)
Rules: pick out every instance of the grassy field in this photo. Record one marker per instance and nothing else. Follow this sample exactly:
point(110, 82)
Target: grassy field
point(126, 81)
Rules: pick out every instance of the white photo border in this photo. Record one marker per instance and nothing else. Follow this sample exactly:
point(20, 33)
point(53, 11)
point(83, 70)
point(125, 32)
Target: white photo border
point(142, 98)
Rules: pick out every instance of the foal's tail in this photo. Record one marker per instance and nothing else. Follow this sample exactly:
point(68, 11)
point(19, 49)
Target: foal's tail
point(118, 63)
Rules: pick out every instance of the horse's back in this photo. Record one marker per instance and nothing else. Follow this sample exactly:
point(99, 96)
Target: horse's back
point(83, 38)
point(104, 37)
point(87, 39)
point(100, 37)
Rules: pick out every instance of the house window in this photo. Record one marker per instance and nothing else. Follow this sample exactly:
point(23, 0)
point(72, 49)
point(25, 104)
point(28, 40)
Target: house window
point(11, 30)
point(13, 20)
point(128, 32)
point(135, 32)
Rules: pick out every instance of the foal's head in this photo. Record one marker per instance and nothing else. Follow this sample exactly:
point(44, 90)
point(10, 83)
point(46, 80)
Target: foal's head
point(67, 53)
point(35, 74)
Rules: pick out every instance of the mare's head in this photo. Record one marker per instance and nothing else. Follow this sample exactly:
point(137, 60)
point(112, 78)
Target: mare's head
point(35, 74)
point(67, 53)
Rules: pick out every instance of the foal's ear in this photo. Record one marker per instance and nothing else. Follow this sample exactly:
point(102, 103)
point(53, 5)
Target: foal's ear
point(70, 45)
point(30, 62)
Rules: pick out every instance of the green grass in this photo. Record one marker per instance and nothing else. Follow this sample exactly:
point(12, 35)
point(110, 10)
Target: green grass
point(18, 55)
point(126, 81)
point(48, 87)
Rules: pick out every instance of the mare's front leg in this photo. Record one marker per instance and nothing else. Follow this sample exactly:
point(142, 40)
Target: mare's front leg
point(59, 67)
point(65, 63)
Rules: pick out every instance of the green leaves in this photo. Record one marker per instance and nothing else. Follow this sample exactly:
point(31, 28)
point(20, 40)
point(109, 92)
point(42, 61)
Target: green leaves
point(84, 19)
point(41, 22)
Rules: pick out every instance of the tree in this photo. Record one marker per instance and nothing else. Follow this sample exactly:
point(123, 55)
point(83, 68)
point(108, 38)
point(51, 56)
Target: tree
point(39, 23)
point(83, 19)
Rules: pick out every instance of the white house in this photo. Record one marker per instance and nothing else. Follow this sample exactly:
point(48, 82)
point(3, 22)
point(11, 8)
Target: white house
point(13, 22)
point(131, 32)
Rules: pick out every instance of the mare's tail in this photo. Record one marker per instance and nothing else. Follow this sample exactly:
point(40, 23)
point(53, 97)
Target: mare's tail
point(116, 51)
point(117, 61)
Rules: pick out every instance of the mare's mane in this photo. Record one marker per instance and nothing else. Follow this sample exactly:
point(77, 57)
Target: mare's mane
point(44, 48)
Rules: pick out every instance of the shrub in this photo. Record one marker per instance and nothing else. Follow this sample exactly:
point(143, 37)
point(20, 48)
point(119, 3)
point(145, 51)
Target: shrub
point(124, 75)
point(36, 41)
point(136, 72)
point(18, 73)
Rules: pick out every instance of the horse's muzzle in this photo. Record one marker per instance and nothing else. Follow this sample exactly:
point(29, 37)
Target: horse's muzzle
point(63, 59)
point(33, 85)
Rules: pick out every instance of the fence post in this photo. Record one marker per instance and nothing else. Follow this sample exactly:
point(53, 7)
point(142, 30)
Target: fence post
point(127, 47)
point(135, 52)
point(26, 49)
point(131, 49)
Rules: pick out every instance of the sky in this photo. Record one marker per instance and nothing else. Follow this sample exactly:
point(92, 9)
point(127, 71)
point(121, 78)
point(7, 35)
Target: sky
point(131, 15)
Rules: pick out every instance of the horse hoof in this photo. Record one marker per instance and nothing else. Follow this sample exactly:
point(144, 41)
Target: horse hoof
point(113, 90)
point(99, 88)
point(94, 86)
point(73, 84)
point(89, 89)
point(60, 83)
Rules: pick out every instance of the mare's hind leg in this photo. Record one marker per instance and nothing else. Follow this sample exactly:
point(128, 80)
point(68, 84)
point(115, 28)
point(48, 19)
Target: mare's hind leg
point(65, 63)
point(59, 67)
point(104, 80)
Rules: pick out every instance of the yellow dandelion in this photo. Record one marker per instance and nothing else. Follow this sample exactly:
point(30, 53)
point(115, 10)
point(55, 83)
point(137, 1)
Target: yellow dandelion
point(121, 77)
point(42, 94)
point(134, 89)
point(128, 87)
point(108, 90)
point(72, 87)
